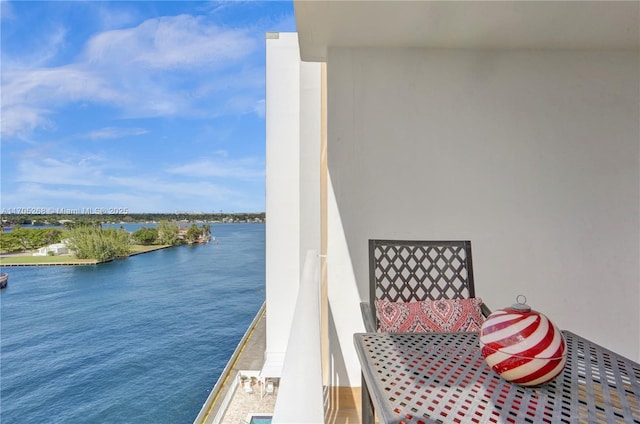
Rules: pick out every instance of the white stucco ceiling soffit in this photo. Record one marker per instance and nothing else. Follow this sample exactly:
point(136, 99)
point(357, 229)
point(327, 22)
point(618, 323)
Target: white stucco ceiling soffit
point(536, 24)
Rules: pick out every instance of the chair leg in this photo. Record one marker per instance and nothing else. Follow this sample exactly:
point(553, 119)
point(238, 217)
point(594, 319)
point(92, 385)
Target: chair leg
point(368, 415)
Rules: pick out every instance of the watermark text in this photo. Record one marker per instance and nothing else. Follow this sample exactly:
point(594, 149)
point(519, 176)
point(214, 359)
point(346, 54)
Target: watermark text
point(65, 211)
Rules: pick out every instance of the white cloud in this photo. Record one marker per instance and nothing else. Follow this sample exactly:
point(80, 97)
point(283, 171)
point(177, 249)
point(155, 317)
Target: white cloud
point(183, 67)
point(37, 55)
point(55, 86)
point(86, 171)
point(113, 17)
point(96, 181)
point(160, 68)
point(58, 198)
point(139, 197)
point(30, 97)
point(113, 132)
point(21, 120)
point(176, 42)
point(241, 169)
point(171, 189)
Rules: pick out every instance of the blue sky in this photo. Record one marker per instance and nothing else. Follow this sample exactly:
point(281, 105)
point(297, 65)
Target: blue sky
point(151, 106)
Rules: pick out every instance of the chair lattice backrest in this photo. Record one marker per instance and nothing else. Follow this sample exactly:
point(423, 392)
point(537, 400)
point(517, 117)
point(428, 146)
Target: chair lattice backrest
point(410, 271)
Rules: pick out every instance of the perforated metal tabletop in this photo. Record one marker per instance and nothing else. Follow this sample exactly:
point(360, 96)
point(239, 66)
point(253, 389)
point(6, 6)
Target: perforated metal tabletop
point(443, 378)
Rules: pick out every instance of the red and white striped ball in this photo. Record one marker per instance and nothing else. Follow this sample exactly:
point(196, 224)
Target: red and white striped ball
point(523, 346)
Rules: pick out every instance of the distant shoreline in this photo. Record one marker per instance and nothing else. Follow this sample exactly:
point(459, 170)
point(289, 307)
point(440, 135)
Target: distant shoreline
point(27, 259)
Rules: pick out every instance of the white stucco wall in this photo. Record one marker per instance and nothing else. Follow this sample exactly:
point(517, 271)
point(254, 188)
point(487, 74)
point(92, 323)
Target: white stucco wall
point(292, 190)
point(282, 242)
point(310, 108)
point(532, 155)
point(345, 318)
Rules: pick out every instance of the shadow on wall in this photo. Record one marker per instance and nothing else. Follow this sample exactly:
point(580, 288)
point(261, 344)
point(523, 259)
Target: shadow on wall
point(337, 367)
point(344, 247)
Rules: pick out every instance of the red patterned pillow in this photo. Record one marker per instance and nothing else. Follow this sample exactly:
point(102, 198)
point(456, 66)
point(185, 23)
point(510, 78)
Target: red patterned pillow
point(446, 315)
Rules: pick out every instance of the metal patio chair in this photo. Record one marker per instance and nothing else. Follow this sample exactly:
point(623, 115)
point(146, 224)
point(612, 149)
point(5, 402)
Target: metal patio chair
point(411, 271)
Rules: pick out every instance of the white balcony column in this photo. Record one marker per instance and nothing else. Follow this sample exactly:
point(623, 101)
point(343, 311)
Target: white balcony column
point(292, 180)
point(282, 273)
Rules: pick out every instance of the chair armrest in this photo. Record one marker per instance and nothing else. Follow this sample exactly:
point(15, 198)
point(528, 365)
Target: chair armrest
point(367, 317)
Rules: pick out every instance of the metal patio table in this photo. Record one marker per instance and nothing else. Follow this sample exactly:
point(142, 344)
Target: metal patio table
point(443, 378)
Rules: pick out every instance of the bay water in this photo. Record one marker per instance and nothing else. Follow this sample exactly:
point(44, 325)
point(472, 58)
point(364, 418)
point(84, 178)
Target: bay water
point(137, 340)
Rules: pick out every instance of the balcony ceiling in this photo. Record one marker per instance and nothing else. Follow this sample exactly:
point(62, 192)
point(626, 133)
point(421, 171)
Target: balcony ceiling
point(466, 24)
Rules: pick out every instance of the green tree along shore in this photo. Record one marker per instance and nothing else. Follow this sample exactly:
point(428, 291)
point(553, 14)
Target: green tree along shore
point(88, 242)
point(91, 241)
point(23, 239)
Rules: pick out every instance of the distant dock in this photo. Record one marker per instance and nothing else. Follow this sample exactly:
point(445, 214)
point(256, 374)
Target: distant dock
point(2, 263)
